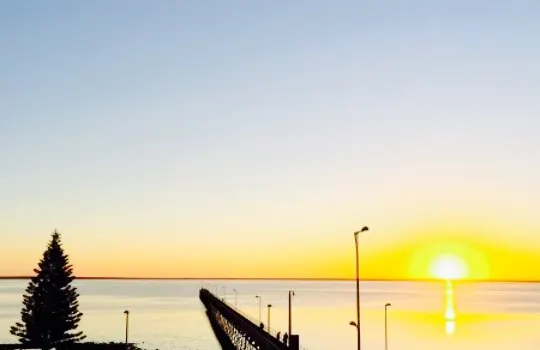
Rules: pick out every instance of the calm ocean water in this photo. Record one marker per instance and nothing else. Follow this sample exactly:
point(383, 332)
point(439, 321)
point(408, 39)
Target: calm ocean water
point(169, 315)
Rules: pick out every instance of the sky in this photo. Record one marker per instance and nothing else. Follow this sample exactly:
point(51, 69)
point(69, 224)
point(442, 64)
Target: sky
point(252, 138)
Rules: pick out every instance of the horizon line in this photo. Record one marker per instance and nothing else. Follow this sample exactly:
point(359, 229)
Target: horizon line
point(321, 279)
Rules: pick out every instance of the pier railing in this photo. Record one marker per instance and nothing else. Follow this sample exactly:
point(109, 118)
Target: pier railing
point(237, 331)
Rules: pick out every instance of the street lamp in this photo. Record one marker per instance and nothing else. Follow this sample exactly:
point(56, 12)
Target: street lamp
point(291, 294)
point(127, 326)
point(235, 298)
point(260, 306)
point(364, 229)
point(269, 307)
point(386, 325)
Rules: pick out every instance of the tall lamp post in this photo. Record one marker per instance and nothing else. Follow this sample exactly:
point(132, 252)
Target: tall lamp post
point(291, 294)
point(127, 326)
point(269, 307)
point(260, 306)
point(386, 325)
point(357, 324)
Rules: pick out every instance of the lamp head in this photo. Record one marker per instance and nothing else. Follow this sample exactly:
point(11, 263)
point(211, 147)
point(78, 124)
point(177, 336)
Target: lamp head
point(126, 312)
point(387, 305)
point(352, 323)
point(364, 229)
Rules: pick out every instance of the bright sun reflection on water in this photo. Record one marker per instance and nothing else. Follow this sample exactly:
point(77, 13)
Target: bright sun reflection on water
point(450, 327)
point(450, 309)
point(449, 267)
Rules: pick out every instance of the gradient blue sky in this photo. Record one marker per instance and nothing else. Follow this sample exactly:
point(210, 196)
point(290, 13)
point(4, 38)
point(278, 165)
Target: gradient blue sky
point(167, 130)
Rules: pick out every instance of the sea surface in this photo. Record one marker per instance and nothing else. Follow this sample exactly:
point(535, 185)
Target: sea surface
point(168, 314)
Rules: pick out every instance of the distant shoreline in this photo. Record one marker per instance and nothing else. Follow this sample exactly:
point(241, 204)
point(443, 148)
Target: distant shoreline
point(271, 279)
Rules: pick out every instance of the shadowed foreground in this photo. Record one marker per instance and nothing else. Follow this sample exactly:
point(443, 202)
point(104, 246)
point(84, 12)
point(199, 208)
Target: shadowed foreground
point(80, 346)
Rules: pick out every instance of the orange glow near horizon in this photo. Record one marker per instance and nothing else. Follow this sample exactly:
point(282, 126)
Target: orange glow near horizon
point(436, 253)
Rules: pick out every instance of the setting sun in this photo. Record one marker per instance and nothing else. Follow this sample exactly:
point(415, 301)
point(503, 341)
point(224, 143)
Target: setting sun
point(449, 267)
point(445, 260)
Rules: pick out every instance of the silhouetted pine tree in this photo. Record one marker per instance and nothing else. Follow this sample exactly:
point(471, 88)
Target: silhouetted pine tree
point(50, 313)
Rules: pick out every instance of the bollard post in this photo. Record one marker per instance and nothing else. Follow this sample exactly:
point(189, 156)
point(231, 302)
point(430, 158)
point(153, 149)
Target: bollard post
point(294, 342)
